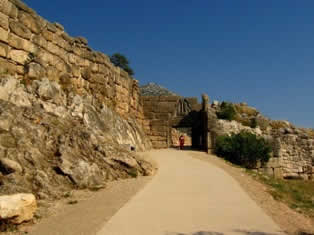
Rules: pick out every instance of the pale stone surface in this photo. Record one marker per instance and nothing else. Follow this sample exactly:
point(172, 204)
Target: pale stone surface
point(31, 23)
point(18, 208)
point(35, 70)
point(9, 166)
point(3, 35)
point(22, 44)
point(4, 50)
point(20, 29)
point(4, 21)
point(19, 56)
point(83, 174)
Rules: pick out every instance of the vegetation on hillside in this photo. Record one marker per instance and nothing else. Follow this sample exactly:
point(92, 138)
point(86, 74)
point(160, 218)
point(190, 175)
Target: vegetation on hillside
point(244, 149)
point(121, 61)
point(227, 111)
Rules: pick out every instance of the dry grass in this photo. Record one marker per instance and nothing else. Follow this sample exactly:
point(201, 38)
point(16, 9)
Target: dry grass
point(297, 194)
point(243, 121)
point(243, 109)
point(278, 124)
point(310, 132)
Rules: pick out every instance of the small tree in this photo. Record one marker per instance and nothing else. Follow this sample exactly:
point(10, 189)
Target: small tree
point(227, 111)
point(121, 61)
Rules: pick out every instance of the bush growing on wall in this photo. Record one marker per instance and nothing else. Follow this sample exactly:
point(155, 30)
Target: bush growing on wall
point(243, 149)
point(227, 111)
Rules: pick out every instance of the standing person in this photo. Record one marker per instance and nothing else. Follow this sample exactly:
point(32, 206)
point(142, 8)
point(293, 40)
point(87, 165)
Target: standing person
point(181, 141)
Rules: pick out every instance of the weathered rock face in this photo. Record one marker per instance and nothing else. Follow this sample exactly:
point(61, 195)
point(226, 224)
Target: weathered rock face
point(17, 208)
point(52, 141)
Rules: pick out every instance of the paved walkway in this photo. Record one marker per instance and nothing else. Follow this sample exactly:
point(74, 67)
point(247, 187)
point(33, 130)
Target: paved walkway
point(189, 197)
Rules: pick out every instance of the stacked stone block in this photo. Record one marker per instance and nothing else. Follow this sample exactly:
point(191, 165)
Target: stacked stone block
point(157, 111)
point(33, 48)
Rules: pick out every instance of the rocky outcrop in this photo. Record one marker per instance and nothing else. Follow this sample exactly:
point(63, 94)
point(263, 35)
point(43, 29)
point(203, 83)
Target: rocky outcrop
point(153, 89)
point(17, 208)
point(52, 141)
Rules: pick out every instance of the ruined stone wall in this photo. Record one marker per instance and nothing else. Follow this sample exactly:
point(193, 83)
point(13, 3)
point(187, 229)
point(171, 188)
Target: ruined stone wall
point(32, 48)
point(293, 148)
point(295, 153)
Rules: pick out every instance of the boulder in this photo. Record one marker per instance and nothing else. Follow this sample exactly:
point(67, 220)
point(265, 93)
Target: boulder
point(17, 208)
point(49, 91)
point(81, 173)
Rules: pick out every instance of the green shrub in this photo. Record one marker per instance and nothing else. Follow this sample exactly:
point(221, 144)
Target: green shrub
point(227, 111)
point(244, 149)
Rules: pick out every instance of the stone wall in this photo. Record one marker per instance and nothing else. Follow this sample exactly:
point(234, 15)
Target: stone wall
point(293, 148)
point(166, 115)
point(157, 112)
point(295, 154)
point(32, 48)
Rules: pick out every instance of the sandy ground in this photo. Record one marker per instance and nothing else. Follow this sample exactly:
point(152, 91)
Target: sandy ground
point(188, 197)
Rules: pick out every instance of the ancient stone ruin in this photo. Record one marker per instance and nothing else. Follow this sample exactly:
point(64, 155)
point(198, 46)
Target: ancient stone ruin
point(167, 117)
point(69, 118)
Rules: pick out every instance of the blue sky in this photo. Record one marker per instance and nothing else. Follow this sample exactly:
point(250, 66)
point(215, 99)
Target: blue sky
point(259, 52)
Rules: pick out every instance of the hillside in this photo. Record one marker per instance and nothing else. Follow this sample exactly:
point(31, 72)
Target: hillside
point(153, 89)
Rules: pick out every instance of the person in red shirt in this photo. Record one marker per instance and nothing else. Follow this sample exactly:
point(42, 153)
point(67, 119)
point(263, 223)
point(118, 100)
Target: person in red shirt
point(181, 141)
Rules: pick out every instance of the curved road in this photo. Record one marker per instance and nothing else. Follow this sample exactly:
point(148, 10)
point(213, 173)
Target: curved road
point(189, 197)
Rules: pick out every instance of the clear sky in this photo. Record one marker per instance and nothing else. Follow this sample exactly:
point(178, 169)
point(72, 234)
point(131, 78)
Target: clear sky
point(259, 52)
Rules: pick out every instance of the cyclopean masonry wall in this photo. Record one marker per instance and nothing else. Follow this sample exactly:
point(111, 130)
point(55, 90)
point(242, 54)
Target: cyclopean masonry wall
point(167, 117)
point(32, 48)
point(293, 148)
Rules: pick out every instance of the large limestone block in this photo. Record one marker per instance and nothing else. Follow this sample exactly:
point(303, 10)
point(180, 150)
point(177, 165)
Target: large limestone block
point(18, 208)
point(4, 50)
point(73, 58)
point(7, 67)
point(49, 36)
point(22, 44)
point(20, 29)
point(35, 25)
point(35, 71)
point(7, 8)
point(54, 49)
point(47, 90)
point(21, 5)
point(4, 21)
point(40, 41)
point(19, 56)
point(4, 35)
point(82, 174)
point(62, 43)
point(46, 57)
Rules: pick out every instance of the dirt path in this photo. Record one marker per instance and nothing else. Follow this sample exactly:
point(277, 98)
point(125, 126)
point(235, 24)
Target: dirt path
point(188, 197)
point(91, 213)
point(287, 218)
